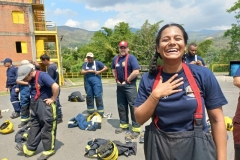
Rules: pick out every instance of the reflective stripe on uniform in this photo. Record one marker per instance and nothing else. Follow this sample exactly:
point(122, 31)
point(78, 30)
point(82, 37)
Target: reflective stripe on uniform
point(136, 129)
point(54, 125)
point(124, 125)
point(25, 119)
point(27, 152)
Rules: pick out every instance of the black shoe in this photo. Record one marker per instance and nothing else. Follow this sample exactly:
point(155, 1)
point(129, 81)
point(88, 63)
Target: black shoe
point(131, 136)
point(22, 124)
point(19, 147)
point(15, 115)
point(44, 157)
point(135, 135)
point(121, 130)
point(59, 120)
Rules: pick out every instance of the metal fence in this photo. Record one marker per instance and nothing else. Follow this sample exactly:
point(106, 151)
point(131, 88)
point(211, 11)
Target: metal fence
point(225, 67)
point(79, 75)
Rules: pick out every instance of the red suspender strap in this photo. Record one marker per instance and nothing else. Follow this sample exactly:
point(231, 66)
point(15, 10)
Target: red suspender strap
point(198, 115)
point(36, 86)
point(125, 68)
point(157, 79)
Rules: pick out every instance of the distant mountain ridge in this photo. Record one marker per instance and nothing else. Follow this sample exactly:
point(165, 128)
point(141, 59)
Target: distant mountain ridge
point(76, 37)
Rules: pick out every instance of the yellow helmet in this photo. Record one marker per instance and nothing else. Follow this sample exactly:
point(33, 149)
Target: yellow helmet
point(113, 155)
point(6, 127)
point(228, 123)
point(99, 119)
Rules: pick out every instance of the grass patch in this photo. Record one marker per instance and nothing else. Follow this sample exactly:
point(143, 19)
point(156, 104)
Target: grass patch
point(4, 93)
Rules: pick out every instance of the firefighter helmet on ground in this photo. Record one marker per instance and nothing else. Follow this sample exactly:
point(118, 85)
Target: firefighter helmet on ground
point(6, 127)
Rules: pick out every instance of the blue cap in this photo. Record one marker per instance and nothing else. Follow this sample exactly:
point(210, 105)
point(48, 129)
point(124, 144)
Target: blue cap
point(6, 60)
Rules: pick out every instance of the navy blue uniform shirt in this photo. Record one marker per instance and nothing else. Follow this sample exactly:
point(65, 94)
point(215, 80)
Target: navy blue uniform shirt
point(176, 111)
point(11, 76)
point(45, 82)
point(90, 66)
point(132, 64)
point(52, 70)
point(192, 58)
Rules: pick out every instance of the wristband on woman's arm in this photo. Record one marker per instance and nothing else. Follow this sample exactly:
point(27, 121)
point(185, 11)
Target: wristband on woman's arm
point(154, 97)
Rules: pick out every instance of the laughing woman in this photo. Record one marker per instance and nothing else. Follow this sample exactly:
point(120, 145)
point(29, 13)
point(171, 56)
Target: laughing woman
point(175, 95)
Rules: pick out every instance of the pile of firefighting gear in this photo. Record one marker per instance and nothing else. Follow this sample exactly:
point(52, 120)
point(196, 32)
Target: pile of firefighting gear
point(109, 150)
point(22, 135)
point(90, 123)
point(76, 97)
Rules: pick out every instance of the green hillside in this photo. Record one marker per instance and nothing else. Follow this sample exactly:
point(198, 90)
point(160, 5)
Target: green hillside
point(76, 37)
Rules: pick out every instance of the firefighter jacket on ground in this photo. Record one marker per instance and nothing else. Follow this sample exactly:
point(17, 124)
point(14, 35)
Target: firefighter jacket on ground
point(22, 135)
point(81, 121)
point(126, 149)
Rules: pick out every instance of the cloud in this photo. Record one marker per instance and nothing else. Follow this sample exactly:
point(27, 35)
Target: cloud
point(72, 23)
point(192, 13)
point(100, 3)
point(66, 12)
point(223, 27)
point(110, 23)
point(88, 25)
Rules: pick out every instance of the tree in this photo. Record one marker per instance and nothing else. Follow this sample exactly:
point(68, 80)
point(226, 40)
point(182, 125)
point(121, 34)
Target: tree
point(203, 47)
point(234, 32)
point(144, 45)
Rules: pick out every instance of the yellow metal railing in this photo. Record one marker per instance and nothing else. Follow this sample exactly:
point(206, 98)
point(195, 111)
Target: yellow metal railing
point(45, 26)
point(79, 75)
point(220, 65)
point(51, 53)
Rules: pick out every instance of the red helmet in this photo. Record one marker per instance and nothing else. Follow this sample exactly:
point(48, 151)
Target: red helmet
point(123, 44)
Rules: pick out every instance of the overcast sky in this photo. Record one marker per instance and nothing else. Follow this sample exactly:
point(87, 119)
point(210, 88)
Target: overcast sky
point(94, 14)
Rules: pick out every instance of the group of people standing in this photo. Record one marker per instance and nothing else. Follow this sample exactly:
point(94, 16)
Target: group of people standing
point(39, 92)
point(125, 69)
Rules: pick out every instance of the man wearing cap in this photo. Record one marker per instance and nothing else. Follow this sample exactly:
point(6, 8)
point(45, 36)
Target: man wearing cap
point(125, 69)
point(24, 98)
point(12, 86)
point(52, 70)
point(44, 91)
point(93, 84)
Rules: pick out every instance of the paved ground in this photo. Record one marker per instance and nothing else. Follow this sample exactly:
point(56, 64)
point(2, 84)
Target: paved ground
point(70, 143)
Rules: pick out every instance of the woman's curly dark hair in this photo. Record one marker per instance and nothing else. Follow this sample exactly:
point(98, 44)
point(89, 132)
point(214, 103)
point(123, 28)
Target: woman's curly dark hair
point(153, 64)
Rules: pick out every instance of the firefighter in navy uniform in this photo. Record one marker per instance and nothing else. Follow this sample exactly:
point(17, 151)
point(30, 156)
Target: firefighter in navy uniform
point(125, 69)
point(52, 70)
point(92, 70)
point(12, 86)
point(44, 91)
